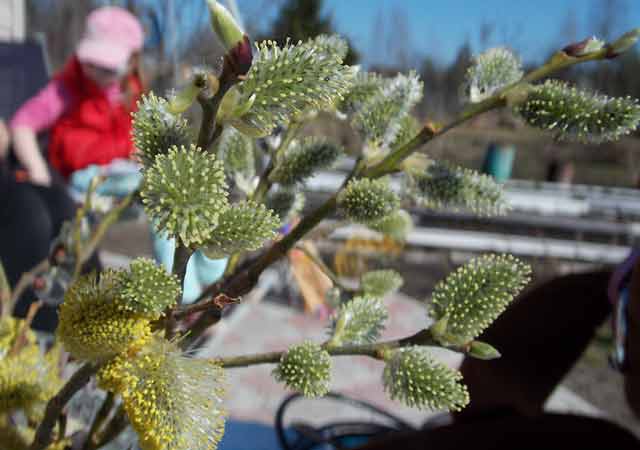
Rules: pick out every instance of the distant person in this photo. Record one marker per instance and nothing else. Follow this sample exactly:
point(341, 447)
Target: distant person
point(87, 106)
point(559, 171)
point(31, 217)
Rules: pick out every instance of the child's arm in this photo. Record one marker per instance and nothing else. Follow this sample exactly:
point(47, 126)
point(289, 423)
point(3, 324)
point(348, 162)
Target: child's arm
point(28, 153)
point(4, 140)
point(38, 114)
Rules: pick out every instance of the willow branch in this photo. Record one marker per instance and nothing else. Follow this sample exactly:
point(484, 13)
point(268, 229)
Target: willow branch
point(114, 427)
point(242, 281)
point(98, 420)
point(5, 293)
point(101, 230)
point(375, 350)
point(26, 280)
point(55, 405)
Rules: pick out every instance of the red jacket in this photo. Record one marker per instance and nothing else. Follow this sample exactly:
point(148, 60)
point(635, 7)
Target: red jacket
point(93, 131)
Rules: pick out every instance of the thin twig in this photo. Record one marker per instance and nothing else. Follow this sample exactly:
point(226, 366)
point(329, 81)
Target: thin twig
point(26, 280)
point(376, 350)
point(5, 293)
point(21, 339)
point(55, 405)
point(109, 219)
point(98, 420)
point(114, 427)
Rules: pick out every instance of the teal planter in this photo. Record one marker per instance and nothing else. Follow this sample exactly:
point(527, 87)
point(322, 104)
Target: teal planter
point(498, 162)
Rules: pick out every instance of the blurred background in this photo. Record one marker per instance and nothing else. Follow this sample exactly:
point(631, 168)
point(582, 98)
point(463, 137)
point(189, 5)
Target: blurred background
point(575, 206)
point(436, 39)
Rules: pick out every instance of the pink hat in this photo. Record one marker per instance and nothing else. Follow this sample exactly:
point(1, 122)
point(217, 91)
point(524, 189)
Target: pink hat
point(112, 34)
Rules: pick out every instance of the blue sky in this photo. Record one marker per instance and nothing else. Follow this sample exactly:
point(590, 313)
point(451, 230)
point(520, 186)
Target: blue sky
point(439, 27)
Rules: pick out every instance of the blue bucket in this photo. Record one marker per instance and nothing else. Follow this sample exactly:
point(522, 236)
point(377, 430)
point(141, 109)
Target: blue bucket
point(498, 162)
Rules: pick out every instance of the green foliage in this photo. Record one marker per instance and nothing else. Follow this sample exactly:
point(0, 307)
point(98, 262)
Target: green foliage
point(445, 187)
point(396, 225)
point(412, 376)
point(305, 368)
point(184, 192)
point(303, 159)
point(491, 71)
point(379, 283)
point(147, 288)
point(380, 117)
point(365, 200)
point(576, 115)
point(241, 227)
point(156, 129)
point(300, 20)
point(284, 82)
point(359, 321)
point(285, 203)
point(468, 300)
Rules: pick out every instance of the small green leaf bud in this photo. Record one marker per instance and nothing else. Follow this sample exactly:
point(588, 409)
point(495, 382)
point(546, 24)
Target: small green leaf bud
point(584, 47)
point(623, 43)
point(224, 25)
point(482, 350)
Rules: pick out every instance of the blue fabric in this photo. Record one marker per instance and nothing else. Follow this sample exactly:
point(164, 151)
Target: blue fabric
point(201, 271)
point(115, 185)
point(240, 435)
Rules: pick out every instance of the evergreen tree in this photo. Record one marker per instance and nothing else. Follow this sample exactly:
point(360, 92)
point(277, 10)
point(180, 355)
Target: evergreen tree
point(303, 19)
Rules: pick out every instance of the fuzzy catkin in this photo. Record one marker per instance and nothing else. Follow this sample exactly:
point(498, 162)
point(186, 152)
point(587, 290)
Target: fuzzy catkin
point(576, 115)
point(184, 192)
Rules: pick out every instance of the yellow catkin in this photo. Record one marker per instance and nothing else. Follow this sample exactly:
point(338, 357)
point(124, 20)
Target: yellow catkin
point(172, 401)
point(92, 324)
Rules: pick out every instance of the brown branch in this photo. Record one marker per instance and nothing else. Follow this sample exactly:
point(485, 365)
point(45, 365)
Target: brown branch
point(26, 280)
point(116, 425)
point(98, 420)
point(375, 350)
point(54, 407)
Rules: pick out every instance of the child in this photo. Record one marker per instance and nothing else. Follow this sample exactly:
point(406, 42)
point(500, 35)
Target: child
point(87, 105)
